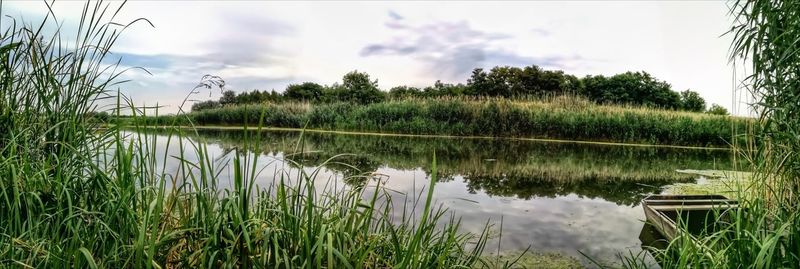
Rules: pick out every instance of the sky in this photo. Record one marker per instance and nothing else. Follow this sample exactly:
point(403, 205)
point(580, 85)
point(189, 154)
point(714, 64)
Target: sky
point(268, 45)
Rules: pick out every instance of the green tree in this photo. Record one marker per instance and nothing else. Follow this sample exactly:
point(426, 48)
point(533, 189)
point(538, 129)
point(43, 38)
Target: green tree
point(691, 101)
point(478, 83)
point(510, 81)
point(272, 96)
point(307, 91)
point(210, 104)
point(228, 98)
point(717, 110)
point(358, 88)
point(635, 88)
point(444, 89)
point(534, 81)
point(251, 97)
point(401, 92)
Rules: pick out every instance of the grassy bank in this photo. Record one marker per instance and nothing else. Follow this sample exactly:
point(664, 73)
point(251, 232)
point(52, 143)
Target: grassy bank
point(557, 118)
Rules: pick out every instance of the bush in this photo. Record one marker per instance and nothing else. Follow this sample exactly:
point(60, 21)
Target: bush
point(717, 110)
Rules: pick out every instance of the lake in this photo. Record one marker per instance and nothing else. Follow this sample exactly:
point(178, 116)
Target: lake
point(571, 198)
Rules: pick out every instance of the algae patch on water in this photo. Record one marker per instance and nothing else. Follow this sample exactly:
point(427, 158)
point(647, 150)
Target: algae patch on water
point(726, 182)
point(549, 260)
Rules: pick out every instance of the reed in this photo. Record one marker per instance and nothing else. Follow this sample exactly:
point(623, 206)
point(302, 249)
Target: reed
point(569, 118)
point(73, 195)
point(765, 232)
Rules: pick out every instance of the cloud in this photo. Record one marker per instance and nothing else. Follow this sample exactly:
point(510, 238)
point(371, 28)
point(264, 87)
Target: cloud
point(452, 49)
point(241, 74)
point(394, 15)
point(244, 50)
point(245, 40)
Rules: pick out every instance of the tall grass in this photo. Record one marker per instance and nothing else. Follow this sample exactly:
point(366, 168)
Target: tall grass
point(561, 118)
point(765, 233)
point(74, 195)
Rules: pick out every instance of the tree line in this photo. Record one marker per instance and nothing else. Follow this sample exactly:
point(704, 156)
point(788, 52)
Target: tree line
point(630, 88)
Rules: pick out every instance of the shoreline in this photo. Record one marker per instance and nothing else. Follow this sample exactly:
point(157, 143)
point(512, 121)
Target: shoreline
point(285, 129)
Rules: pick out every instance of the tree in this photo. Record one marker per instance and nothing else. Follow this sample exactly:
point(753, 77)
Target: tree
point(717, 110)
point(254, 96)
point(534, 81)
point(497, 82)
point(401, 92)
point(691, 101)
point(445, 89)
point(308, 91)
point(636, 88)
point(210, 104)
point(358, 88)
point(228, 98)
point(273, 96)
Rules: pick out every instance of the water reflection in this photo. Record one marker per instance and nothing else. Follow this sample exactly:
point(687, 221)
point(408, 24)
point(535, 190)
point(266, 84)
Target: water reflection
point(509, 168)
point(552, 196)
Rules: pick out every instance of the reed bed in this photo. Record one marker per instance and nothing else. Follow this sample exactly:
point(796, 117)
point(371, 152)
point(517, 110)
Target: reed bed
point(569, 118)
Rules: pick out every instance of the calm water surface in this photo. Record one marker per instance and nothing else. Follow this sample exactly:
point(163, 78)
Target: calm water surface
point(554, 197)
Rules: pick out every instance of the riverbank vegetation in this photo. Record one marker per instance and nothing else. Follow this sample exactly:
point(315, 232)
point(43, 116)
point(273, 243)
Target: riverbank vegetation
point(73, 195)
point(563, 117)
point(76, 195)
point(530, 82)
point(765, 231)
point(632, 107)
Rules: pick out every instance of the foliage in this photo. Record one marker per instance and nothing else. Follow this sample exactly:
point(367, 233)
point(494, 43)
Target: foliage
point(691, 101)
point(767, 34)
point(509, 81)
point(228, 98)
point(307, 91)
point(256, 96)
point(559, 119)
point(357, 88)
point(440, 89)
point(210, 104)
point(404, 92)
point(717, 110)
point(639, 89)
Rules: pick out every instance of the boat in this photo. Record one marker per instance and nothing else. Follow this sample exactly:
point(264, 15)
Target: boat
point(697, 213)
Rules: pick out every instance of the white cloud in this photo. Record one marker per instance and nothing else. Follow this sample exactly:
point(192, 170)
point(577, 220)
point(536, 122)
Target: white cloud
point(268, 45)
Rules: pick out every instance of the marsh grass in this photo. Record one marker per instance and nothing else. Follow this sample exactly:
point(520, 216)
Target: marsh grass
point(765, 231)
point(562, 117)
point(76, 195)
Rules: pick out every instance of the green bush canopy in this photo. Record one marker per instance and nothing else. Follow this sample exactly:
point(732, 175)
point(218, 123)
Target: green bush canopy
point(630, 88)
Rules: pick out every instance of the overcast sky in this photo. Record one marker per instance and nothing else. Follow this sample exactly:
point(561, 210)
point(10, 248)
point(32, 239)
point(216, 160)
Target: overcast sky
point(267, 45)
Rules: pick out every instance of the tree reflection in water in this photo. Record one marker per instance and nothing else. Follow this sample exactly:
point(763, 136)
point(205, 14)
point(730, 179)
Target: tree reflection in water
point(500, 167)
